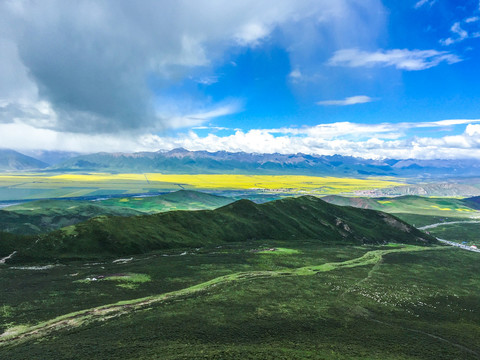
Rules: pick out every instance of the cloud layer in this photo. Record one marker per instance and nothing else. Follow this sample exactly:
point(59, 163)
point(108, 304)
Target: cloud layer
point(352, 100)
point(95, 76)
point(402, 59)
point(103, 66)
point(386, 140)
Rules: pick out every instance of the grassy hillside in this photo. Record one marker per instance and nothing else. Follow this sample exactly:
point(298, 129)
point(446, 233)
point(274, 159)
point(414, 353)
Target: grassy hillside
point(178, 200)
point(452, 219)
point(473, 202)
point(43, 216)
point(461, 232)
point(311, 302)
point(416, 210)
point(305, 217)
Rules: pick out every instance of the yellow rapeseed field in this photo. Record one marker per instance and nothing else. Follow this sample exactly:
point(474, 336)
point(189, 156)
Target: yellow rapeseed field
point(66, 185)
point(288, 183)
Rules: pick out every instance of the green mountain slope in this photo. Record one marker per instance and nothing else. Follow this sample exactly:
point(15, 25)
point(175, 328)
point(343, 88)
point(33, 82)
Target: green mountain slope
point(43, 216)
point(432, 206)
point(416, 210)
point(306, 217)
point(47, 215)
point(473, 202)
point(177, 200)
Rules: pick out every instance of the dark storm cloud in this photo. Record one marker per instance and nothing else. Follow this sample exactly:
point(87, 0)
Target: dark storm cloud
point(83, 60)
point(93, 61)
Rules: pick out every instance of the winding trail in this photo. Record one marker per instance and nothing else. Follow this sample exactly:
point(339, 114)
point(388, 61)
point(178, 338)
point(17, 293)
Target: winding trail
point(461, 246)
point(452, 243)
point(101, 313)
point(3, 260)
point(448, 223)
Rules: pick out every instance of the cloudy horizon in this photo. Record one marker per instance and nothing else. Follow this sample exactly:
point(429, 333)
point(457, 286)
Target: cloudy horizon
point(369, 78)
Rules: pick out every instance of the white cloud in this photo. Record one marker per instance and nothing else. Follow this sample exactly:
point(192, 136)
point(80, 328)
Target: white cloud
point(402, 59)
point(472, 19)
point(251, 34)
point(262, 141)
point(421, 3)
point(92, 62)
point(352, 100)
point(208, 80)
point(198, 118)
point(387, 140)
point(460, 35)
point(26, 137)
point(472, 130)
point(295, 74)
point(441, 123)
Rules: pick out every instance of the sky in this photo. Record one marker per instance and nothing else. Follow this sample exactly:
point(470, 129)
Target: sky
point(367, 78)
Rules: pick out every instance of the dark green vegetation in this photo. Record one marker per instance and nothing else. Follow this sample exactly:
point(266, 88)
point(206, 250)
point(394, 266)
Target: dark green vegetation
point(302, 218)
point(42, 216)
point(296, 278)
point(313, 302)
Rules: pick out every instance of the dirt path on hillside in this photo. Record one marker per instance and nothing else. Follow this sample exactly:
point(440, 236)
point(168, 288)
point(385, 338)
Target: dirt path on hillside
point(448, 223)
point(3, 260)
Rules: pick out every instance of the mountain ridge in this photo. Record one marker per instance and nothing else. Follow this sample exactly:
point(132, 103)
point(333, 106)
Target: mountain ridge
point(181, 160)
point(13, 160)
point(305, 217)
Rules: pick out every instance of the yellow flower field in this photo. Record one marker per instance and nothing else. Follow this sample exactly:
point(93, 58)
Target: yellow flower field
point(45, 185)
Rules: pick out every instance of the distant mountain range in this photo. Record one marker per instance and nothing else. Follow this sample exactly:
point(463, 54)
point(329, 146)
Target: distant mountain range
point(51, 157)
point(204, 162)
point(195, 162)
point(13, 160)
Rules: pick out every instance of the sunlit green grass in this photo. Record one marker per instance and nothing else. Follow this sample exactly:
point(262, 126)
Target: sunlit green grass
point(409, 305)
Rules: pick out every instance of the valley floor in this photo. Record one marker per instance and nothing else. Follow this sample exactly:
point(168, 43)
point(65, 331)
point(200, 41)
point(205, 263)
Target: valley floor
point(263, 300)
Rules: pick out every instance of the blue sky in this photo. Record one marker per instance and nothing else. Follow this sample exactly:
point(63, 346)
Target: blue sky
point(366, 78)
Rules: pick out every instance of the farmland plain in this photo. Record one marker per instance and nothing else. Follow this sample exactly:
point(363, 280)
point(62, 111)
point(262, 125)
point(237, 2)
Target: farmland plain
point(49, 185)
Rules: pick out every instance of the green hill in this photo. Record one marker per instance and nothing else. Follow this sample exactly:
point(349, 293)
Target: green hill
point(473, 202)
point(177, 200)
point(292, 219)
point(43, 216)
point(417, 210)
